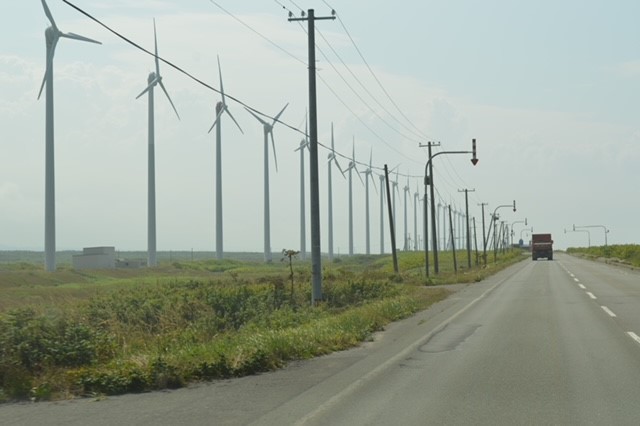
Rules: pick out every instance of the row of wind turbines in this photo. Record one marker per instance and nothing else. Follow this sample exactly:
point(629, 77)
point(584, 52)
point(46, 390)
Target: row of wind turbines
point(52, 36)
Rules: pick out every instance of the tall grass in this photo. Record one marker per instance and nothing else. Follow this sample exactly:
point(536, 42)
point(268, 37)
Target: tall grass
point(197, 321)
point(623, 253)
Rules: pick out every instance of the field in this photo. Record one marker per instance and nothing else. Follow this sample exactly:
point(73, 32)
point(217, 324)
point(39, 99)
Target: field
point(87, 333)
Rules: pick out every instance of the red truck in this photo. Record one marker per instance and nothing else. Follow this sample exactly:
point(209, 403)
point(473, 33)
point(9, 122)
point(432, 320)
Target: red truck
point(541, 246)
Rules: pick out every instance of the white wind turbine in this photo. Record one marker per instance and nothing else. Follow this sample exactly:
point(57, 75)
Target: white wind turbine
point(221, 107)
point(331, 159)
point(382, 192)
point(304, 143)
point(368, 174)
point(394, 190)
point(350, 168)
point(406, 191)
point(154, 79)
point(416, 198)
point(52, 35)
point(268, 130)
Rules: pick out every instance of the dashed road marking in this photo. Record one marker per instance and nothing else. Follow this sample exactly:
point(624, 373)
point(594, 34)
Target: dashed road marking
point(576, 280)
point(591, 295)
point(608, 311)
point(582, 287)
point(634, 336)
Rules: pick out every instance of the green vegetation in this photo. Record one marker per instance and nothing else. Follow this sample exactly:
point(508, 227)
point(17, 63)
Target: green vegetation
point(628, 254)
point(73, 333)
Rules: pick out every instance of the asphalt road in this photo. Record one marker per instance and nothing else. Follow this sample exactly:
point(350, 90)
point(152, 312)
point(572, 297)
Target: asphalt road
point(539, 343)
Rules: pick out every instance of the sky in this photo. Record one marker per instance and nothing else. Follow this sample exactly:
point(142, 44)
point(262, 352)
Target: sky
point(547, 88)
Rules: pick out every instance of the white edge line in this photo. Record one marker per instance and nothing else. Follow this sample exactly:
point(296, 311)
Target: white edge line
point(608, 311)
point(634, 336)
point(393, 360)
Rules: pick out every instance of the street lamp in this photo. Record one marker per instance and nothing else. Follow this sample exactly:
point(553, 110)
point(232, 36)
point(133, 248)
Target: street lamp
point(493, 220)
point(428, 181)
point(527, 230)
point(582, 230)
point(512, 231)
point(604, 228)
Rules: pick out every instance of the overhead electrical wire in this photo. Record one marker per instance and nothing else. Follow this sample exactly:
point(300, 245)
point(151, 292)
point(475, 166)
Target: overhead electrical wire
point(204, 84)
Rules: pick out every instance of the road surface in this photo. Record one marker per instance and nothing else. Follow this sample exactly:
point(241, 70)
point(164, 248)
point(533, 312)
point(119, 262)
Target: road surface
point(546, 342)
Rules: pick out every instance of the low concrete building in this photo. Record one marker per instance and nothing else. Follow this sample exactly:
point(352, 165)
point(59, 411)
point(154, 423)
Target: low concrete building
point(95, 258)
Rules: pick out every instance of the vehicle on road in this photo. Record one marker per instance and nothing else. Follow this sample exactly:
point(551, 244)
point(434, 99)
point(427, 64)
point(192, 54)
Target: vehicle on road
point(541, 246)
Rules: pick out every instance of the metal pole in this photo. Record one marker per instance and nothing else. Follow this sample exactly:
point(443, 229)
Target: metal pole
point(391, 227)
point(316, 261)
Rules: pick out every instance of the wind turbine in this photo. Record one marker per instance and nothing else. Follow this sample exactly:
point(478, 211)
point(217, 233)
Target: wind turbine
point(331, 159)
point(368, 174)
point(154, 79)
point(382, 191)
point(406, 191)
point(221, 107)
point(416, 198)
point(52, 35)
point(268, 130)
point(394, 190)
point(350, 168)
point(304, 143)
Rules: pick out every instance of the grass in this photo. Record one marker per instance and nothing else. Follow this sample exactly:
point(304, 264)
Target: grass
point(71, 334)
point(628, 254)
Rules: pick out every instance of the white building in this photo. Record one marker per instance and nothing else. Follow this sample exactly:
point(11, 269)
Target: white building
point(95, 258)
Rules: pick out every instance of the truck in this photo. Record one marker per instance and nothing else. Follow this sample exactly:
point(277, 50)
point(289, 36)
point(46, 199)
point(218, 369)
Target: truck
point(541, 246)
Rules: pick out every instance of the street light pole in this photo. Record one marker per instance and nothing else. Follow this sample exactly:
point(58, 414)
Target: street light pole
point(493, 219)
point(604, 228)
point(428, 180)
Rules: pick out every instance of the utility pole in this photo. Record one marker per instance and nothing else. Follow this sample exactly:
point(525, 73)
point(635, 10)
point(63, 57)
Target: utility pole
point(391, 220)
point(484, 236)
point(314, 187)
point(466, 203)
point(453, 242)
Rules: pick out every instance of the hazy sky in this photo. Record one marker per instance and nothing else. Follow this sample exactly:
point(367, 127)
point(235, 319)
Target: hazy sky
point(549, 89)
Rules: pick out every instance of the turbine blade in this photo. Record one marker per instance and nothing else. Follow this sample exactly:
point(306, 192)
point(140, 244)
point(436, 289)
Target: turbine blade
point(339, 168)
point(44, 80)
point(280, 113)
point(224, 108)
point(224, 102)
point(155, 41)
point(273, 144)
point(49, 15)
point(169, 97)
point(373, 181)
point(48, 70)
point(216, 120)
point(264, 123)
point(358, 173)
point(153, 83)
point(75, 36)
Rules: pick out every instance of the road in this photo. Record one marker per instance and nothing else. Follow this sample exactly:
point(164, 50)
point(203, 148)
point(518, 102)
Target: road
point(539, 343)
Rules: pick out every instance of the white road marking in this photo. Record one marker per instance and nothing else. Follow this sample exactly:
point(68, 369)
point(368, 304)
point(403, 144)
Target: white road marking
point(582, 287)
point(608, 311)
point(576, 280)
point(591, 295)
point(572, 276)
point(634, 336)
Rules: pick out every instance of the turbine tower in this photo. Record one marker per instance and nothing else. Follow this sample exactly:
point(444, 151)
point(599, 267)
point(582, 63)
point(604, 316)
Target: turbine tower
point(221, 108)
point(394, 190)
point(416, 198)
point(304, 143)
point(268, 130)
point(368, 174)
point(331, 159)
point(406, 191)
point(350, 168)
point(154, 79)
point(52, 35)
point(382, 191)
